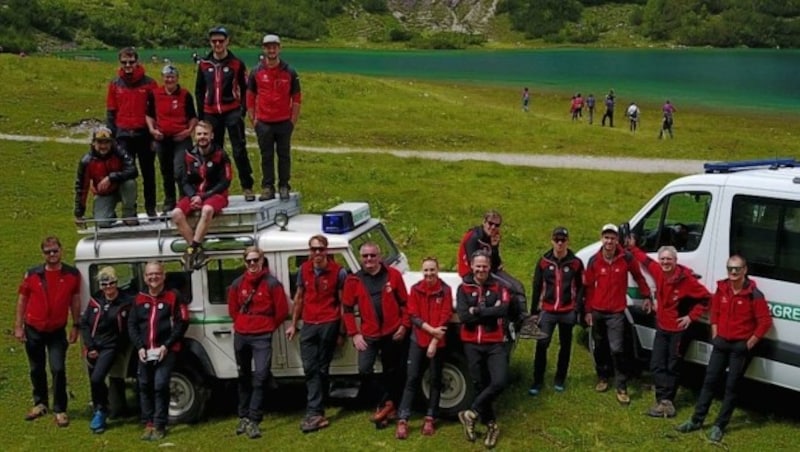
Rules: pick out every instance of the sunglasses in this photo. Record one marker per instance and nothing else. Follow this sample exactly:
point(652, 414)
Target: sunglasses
point(217, 41)
point(734, 269)
point(253, 261)
point(317, 249)
point(369, 255)
point(560, 240)
point(108, 284)
point(127, 62)
point(492, 223)
point(52, 251)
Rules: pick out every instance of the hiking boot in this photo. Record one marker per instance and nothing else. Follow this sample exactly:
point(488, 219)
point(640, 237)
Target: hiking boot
point(152, 215)
point(98, 423)
point(467, 419)
point(657, 410)
point(168, 207)
point(669, 408)
point(242, 427)
point(559, 386)
point(530, 329)
point(266, 194)
point(623, 397)
point(689, 426)
point(492, 432)
point(158, 434)
point(313, 423)
point(535, 389)
point(284, 193)
point(402, 429)
point(62, 420)
point(715, 434)
point(187, 259)
point(200, 259)
point(602, 385)
point(131, 222)
point(385, 412)
point(36, 412)
point(249, 196)
point(147, 435)
point(429, 426)
point(253, 430)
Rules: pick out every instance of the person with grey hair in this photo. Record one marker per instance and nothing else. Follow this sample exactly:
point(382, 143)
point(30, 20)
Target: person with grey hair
point(680, 300)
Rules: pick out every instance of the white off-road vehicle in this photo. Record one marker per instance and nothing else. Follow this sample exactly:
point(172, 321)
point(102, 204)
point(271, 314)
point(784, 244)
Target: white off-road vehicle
point(282, 231)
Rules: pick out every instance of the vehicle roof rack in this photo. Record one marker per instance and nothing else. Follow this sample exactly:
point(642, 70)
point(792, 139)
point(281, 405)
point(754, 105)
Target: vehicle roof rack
point(730, 167)
point(239, 216)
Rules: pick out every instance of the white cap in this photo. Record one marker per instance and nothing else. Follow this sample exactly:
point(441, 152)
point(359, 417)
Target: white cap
point(271, 39)
point(610, 227)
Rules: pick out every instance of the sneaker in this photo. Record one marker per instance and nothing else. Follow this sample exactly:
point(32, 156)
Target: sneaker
point(284, 193)
point(36, 412)
point(689, 426)
point(467, 419)
point(266, 194)
point(200, 259)
point(249, 196)
point(147, 435)
point(669, 408)
point(402, 429)
point(623, 397)
point(715, 434)
point(559, 387)
point(429, 426)
point(242, 427)
point(62, 420)
point(602, 385)
point(253, 430)
point(385, 412)
point(534, 390)
point(131, 222)
point(152, 214)
point(188, 259)
point(158, 434)
point(492, 432)
point(657, 410)
point(98, 423)
point(313, 423)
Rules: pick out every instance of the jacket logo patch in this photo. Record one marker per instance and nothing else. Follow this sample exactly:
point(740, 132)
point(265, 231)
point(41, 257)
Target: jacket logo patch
point(210, 164)
point(95, 310)
point(161, 306)
point(147, 305)
point(566, 270)
point(226, 69)
point(124, 314)
point(388, 288)
point(551, 267)
point(438, 301)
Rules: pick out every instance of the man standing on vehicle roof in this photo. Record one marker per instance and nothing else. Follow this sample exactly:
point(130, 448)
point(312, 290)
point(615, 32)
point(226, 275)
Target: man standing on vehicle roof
point(680, 300)
point(606, 284)
point(273, 99)
point(380, 294)
point(206, 178)
point(320, 281)
point(740, 318)
point(126, 110)
point(49, 293)
point(110, 174)
point(220, 90)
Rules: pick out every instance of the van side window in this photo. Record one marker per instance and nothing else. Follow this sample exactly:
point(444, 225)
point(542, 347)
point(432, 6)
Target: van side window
point(220, 274)
point(296, 261)
point(131, 281)
point(766, 232)
point(678, 220)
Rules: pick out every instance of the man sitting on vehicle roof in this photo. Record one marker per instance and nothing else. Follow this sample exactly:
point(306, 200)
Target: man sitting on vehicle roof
point(205, 181)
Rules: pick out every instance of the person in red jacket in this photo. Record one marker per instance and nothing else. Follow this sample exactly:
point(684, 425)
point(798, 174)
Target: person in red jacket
point(430, 307)
point(606, 286)
point(680, 300)
point(273, 100)
point(740, 318)
point(317, 301)
point(557, 299)
point(126, 110)
point(48, 294)
point(110, 174)
point(379, 293)
point(482, 305)
point(220, 89)
point(257, 304)
point(156, 325)
point(171, 118)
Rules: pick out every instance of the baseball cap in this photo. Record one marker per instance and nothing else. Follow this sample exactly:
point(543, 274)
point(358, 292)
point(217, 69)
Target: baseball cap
point(102, 133)
point(610, 227)
point(218, 30)
point(169, 70)
point(560, 231)
point(271, 39)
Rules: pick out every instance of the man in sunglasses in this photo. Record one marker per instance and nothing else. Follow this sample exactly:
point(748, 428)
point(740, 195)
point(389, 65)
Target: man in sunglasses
point(126, 110)
point(48, 295)
point(319, 293)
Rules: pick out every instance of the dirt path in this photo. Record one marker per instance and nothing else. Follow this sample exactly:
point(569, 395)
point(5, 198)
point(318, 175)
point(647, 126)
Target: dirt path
point(624, 164)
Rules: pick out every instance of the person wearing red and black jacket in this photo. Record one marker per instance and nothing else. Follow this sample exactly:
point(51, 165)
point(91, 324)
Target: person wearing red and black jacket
point(257, 304)
point(206, 177)
point(126, 110)
point(317, 301)
point(380, 295)
point(605, 282)
point(110, 174)
point(680, 300)
point(171, 118)
point(740, 318)
point(430, 307)
point(156, 325)
point(273, 100)
point(48, 294)
point(556, 299)
point(220, 90)
point(104, 329)
point(482, 305)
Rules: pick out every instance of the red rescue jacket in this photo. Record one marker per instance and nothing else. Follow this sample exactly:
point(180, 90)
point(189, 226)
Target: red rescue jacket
point(320, 293)
point(158, 320)
point(432, 305)
point(393, 313)
point(126, 101)
point(257, 303)
point(490, 300)
point(48, 308)
point(742, 315)
point(271, 92)
point(606, 283)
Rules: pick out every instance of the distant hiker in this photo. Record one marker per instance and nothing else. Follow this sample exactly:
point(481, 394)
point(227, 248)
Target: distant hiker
point(526, 98)
point(590, 101)
point(578, 110)
point(666, 124)
point(633, 115)
point(609, 109)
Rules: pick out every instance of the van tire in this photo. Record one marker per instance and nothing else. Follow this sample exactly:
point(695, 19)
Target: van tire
point(188, 394)
point(457, 389)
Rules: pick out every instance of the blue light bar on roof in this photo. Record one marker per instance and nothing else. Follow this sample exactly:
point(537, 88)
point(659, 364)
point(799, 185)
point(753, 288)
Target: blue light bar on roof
point(728, 167)
point(345, 217)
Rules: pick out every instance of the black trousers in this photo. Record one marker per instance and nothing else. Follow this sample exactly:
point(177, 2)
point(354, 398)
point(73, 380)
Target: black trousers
point(608, 331)
point(154, 390)
point(99, 368)
point(734, 356)
point(665, 362)
point(233, 122)
point(254, 358)
point(389, 385)
point(488, 369)
point(275, 138)
point(317, 344)
point(171, 162)
point(42, 347)
point(547, 324)
point(610, 115)
point(417, 362)
point(138, 147)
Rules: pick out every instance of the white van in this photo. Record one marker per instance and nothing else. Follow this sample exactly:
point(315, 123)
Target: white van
point(282, 231)
point(749, 208)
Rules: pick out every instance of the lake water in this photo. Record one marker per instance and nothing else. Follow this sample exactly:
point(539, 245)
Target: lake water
point(739, 78)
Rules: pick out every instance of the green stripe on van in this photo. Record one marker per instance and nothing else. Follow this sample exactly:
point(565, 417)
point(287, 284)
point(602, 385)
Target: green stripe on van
point(784, 311)
point(199, 320)
point(635, 293)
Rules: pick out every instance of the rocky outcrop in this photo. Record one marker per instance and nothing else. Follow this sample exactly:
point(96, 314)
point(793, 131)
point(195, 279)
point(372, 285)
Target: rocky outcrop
point(460, 16)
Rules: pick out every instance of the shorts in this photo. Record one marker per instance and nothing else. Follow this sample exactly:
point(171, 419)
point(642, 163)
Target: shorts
point(218, 202)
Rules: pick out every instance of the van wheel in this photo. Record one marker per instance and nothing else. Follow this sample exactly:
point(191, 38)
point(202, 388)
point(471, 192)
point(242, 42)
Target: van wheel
point(457, 391)
point(188, 394)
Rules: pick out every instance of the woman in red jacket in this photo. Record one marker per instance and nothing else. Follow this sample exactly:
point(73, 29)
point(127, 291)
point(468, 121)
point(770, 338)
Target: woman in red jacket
point(430, 306)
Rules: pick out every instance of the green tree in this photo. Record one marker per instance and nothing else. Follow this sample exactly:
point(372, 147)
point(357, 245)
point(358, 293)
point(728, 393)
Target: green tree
point(537, 18)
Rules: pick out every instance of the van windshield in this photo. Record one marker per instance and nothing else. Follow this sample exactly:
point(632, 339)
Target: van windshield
point(678, 220)
point(378, 235)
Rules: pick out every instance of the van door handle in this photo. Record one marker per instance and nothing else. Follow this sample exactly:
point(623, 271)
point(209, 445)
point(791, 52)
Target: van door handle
point(221, 332)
